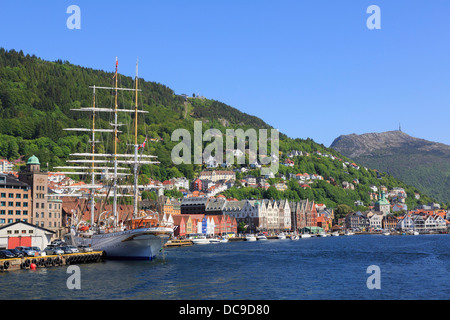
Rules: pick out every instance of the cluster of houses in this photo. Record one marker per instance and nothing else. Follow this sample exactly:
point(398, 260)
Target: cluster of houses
point(435, 221)
point(203, 210)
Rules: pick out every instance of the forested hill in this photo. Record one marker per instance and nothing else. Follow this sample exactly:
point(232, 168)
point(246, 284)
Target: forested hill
point(36, 98)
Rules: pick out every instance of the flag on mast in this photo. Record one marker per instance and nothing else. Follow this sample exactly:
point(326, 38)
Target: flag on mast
point(117, 64)
point(143, 144)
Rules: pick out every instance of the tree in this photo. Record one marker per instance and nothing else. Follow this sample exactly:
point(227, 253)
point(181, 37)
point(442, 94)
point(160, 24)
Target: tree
point(341, 211)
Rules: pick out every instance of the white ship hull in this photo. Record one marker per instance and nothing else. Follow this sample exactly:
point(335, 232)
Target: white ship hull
point(137, 244)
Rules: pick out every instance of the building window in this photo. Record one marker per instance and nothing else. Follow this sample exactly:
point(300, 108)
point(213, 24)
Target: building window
point(2, 212)
point(18, 195)
point(2, 221)
point(10, 212)
point(17, 204)
point(10, 204)
point(3, 195)
point(18, 212)
point(10, 195)
point(30, 231)
point(25, 212)
point(25, 196)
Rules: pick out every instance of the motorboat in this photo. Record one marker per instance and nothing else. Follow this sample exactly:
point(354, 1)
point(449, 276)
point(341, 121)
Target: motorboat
point(281, 236)
point(250, 237)
point(261, 236)
point(305, 235)
point(199, 239)
point(335, 234)
point(295, 237)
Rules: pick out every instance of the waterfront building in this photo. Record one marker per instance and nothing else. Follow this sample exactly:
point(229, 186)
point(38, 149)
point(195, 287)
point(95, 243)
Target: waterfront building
point(407, 223)
point(383, 205)
point(38, 182)
point(194, 205)
point(215, 206)
point(389, 222)
point(25, 234)
point(284, 215)
point(179, 226)
point(375, 219)
point(15, 200)
point(356, 221)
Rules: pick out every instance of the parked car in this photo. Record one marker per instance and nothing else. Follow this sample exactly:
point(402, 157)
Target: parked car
point(39, 251)
point(58, 243)
point(85, 249)
point(70, 249)
point(51, 250)
point(27, 251)
point(6, 254)
point(17, 253)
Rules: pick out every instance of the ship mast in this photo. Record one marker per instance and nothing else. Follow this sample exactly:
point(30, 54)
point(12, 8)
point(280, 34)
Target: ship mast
point(93, 163)
point(115, 152)
point(113, 157)
point(136, 148)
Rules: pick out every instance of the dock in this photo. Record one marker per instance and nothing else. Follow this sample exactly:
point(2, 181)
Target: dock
point(50, 261)
point(178, 243)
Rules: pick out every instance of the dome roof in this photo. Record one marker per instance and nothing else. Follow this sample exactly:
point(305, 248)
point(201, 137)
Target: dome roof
point(33, 160)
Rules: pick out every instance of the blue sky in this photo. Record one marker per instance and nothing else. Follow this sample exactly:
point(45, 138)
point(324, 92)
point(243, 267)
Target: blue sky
point(309, 68)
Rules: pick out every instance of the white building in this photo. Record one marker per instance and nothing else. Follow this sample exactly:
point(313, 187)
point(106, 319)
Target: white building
point(24, 234)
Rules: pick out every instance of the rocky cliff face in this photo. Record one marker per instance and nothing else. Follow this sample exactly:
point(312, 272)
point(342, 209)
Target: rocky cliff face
point(424, 164)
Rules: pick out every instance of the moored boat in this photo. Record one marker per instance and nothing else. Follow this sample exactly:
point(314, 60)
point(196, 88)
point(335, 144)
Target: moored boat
point(281, 236)
point(261, 236)
point(139, 237)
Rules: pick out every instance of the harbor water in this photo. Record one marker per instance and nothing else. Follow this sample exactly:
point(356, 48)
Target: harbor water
point(410, 267)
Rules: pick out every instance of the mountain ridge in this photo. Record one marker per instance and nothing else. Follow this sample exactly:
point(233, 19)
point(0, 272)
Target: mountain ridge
point(419, 162)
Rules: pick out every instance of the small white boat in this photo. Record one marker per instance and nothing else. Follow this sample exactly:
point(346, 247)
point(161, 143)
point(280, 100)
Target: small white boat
point(335, 234)
point(386, 233)
point(349, 233)
point(416, 233)
point(322, 234)
point(199, 240)
point(281, 236)
point(223, 240)
point(295, 237)
point(214, 240)
point(261, 236)
point(305, 235)
point(250, 237)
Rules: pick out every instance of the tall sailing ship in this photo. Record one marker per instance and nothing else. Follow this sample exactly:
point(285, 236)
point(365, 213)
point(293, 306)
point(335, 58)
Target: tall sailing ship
point(139, 237)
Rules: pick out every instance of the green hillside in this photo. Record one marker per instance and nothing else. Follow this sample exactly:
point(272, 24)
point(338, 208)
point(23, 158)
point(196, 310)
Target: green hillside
point(36, 98)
